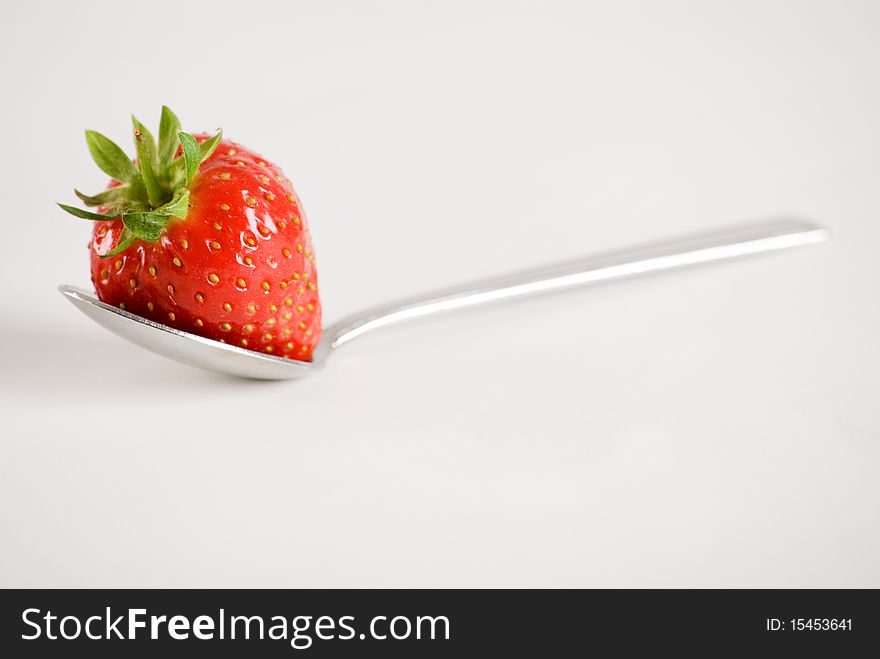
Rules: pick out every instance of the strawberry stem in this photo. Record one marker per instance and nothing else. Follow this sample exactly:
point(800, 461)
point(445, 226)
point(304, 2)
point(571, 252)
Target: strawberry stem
point(146, 153)
point(156, 186)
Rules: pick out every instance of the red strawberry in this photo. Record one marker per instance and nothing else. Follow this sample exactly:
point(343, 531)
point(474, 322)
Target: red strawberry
point(204, 235)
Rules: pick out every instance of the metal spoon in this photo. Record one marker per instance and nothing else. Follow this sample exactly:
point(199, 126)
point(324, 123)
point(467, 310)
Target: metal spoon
point(205, 353)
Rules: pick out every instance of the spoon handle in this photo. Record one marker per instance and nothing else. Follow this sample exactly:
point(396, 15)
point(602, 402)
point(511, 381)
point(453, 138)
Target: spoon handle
point(718, 245)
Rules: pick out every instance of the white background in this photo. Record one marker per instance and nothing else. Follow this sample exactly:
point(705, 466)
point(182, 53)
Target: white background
point(716, 427)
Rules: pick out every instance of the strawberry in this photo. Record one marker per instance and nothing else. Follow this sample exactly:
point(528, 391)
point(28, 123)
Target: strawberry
point(203, 235)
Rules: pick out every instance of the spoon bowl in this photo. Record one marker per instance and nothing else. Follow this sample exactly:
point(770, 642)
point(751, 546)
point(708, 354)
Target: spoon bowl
point(190, 348)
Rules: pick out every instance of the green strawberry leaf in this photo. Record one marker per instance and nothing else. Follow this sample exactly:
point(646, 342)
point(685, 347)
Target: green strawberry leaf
point(169, 126)
point(191, 154)
point(176, 208)
point(85, 215)
point(110, 158)
point(145, 146)
point(208, 146)
point(145, 226)
point(105, 198)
